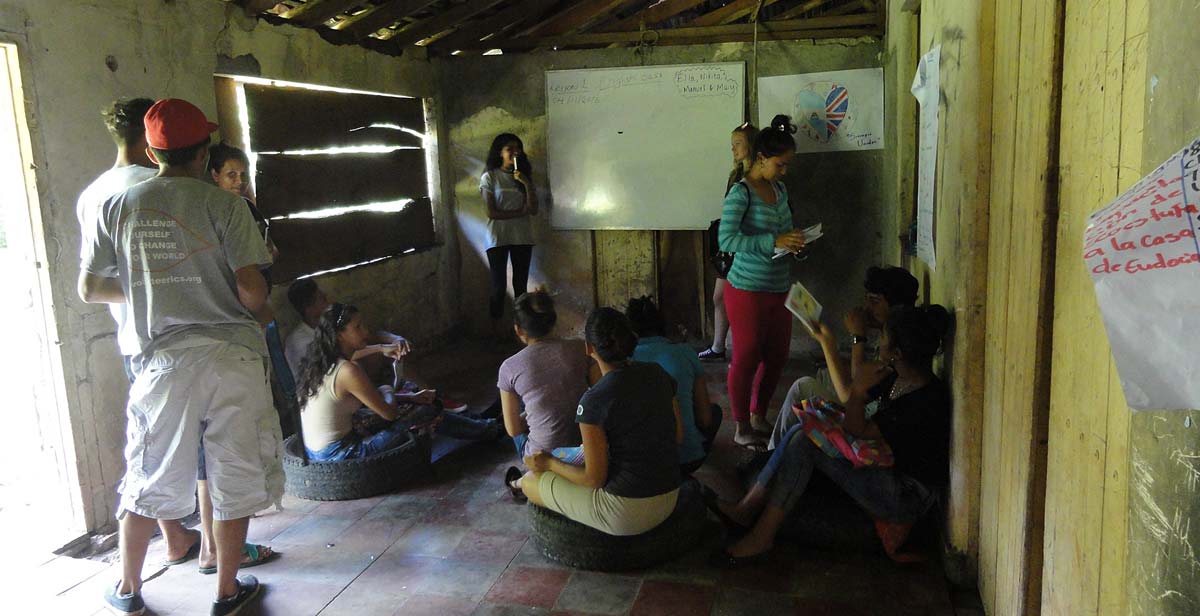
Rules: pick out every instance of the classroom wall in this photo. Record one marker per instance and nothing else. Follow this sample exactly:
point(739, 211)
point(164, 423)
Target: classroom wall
point(488, 95)
point(171, 49)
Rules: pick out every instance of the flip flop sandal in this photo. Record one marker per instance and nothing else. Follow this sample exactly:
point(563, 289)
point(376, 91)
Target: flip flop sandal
point(248, 588)
point(510, 477)
point(754, 445)
point(191, 553)
point(711, 502)
point(254, 551)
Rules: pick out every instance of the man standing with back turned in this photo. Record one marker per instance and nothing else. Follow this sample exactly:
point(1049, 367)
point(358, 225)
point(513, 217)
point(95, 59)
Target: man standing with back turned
point(185, 256)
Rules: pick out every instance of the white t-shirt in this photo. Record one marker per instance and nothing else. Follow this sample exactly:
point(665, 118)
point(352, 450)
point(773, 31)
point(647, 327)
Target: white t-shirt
point(296, 346)
point(175, 244)
point(112, 182)
point(506, 191)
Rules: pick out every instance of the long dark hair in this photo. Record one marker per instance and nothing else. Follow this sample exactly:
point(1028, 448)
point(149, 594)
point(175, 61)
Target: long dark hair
point(918, 332)
point(323, 352)
point(609, 332)
point(222, 152)
point(496, 161)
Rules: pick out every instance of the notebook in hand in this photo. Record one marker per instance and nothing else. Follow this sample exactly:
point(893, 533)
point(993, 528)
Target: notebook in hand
point(802, 304)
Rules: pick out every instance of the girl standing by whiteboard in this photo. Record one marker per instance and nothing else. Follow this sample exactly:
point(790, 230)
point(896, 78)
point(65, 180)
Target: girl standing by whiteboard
point(756, 220)
point(740, 141)
point(511, 199)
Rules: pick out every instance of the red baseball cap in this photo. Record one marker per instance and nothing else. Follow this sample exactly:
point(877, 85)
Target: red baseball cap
point(174, 123)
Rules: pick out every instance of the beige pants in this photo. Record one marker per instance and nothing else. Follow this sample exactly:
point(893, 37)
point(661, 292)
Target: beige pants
point(216, 394)
point(607, 513)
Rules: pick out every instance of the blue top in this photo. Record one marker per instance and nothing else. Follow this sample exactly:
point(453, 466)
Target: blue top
point(681, 363)
point(748, 228)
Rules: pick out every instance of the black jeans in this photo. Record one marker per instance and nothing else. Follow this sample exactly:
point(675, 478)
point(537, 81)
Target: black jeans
point(498, 262)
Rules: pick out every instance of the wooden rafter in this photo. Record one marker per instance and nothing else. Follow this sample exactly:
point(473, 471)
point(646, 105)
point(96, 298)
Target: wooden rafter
point(849, 7)
point(802, 8)
point(371, 21)
point(316, 12)
point(652, 15)
point(855, 25)
point(579, 14)
point(729, 13)
point(438, 23)
point(254, 7)
point(496, 24)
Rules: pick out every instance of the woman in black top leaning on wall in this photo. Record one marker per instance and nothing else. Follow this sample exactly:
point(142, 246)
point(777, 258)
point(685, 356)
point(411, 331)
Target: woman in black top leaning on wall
point(913, 418)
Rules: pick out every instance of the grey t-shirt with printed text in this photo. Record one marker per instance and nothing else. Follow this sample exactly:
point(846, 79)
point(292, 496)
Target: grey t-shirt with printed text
point(175, 243)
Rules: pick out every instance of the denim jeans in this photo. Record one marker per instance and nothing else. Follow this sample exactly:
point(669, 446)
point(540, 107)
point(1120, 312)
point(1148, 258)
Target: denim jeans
point(884, 493)
point(354, 447)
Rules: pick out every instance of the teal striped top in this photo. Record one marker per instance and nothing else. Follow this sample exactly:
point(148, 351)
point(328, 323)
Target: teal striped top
point(751, 234)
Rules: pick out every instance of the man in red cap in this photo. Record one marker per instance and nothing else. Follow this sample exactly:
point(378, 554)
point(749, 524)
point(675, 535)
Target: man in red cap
point(184, 257)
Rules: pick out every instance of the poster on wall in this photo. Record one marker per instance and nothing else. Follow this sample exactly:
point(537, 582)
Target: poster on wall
point(925, 88)
point(1144, 259)
point(834, 111)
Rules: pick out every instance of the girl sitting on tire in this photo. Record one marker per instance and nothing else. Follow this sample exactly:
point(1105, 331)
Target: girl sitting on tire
point(332, 388)
point(631, 430)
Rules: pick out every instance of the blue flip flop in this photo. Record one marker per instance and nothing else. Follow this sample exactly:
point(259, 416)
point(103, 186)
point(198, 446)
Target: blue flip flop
point(254, 551)
point(191, 553)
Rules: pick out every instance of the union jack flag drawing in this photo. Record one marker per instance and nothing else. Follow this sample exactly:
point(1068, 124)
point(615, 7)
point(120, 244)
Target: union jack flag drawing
point(836, 103)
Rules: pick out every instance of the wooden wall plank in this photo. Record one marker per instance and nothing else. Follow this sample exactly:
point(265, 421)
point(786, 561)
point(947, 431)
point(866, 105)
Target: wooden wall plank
point(625, 266)
point(287, 184)
point(307, 246)
point(1000, 268)
point(327, 118)
point(1087, 465)
point(680, 280)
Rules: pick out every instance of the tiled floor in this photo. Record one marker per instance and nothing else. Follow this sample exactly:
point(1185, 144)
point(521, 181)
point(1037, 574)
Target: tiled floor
point(455, 543)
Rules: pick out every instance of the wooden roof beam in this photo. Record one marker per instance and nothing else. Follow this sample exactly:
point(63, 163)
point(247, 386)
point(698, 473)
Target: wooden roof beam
point(729, 13)
point(507, 18)
point(802, 8)
point(317, 12)
point(856, 25)
point(438, 23)
point(652, 15)
point(576, 16)
point(373, 20)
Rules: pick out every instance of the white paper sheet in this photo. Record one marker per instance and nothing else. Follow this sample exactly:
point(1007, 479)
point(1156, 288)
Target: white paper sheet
point(837, 110)
point(926, 88)
point(1144, 259)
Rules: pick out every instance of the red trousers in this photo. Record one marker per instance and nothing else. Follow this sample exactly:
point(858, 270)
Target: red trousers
point(762, 335)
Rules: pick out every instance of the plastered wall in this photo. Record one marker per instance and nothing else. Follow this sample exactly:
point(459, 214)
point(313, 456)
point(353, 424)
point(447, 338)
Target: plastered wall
point(78, 60)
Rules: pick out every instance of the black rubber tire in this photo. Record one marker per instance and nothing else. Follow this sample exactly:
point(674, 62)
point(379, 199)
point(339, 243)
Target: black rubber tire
point(351, 479)
point(575, 545)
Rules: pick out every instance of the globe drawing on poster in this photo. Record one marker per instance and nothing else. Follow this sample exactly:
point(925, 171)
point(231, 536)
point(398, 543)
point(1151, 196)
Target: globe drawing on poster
point(839, 110)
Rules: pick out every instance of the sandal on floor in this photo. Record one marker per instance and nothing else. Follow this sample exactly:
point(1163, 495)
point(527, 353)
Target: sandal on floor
point(259, 554)
point(248, 588)
point(712, 503)
point(510, 477)
point(752, 443)
point(191, 553)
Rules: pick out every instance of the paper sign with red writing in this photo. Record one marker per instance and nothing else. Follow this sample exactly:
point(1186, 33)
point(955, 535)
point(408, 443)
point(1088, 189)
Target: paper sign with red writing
point(1144, 257)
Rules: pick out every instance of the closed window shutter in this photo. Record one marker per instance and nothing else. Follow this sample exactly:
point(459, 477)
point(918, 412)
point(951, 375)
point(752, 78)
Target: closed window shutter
point(342, 176)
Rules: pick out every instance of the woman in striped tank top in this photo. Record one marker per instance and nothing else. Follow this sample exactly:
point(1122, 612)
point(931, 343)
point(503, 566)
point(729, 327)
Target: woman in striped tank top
point(756, 220)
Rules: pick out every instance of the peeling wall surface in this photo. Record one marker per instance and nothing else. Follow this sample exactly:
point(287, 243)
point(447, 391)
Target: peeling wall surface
point(485, 96)
point(1164, 495)
point(159, 49)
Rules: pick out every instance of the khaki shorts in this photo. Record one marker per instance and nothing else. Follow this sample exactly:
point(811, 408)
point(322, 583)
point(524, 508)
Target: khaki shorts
point(607, 513)
point(216, 394)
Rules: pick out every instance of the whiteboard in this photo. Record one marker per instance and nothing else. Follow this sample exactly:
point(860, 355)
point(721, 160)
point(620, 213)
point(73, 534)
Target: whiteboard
point(641, 147)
